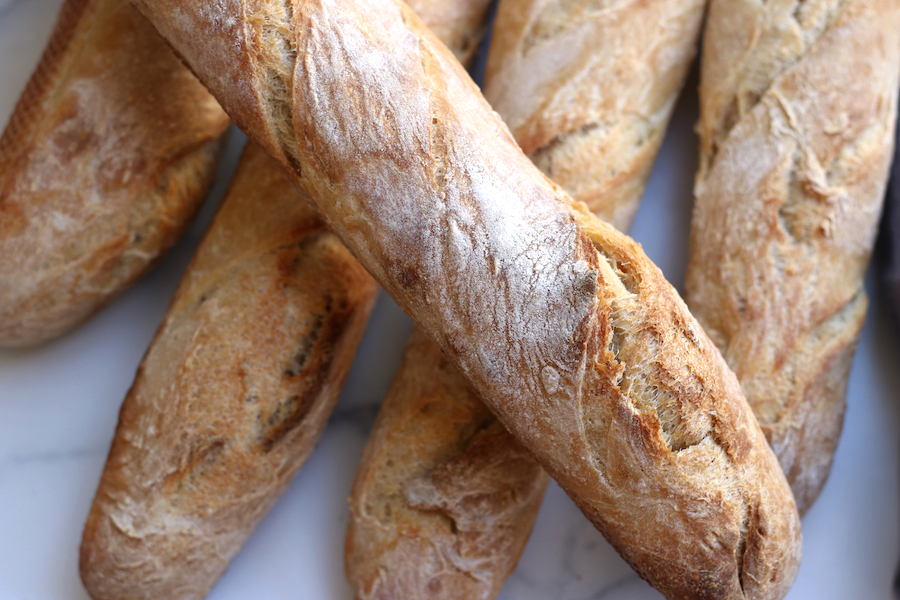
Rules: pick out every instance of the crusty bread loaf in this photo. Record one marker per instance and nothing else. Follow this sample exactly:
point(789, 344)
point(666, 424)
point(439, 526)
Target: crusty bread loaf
point(458, 23)
point(547, 58)
point(587, 88)
point(106, 158)
point(568, 332)
point(231, 397)
point(444, 498)
point(398, 547)
point(798, 102)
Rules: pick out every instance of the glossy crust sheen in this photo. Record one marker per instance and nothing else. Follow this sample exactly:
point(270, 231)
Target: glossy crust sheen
point(561, 324)
point(587, 88)
point(444, 497)
point(798, 103)
point(458, 23)
point(231, 397)
point(106, 158)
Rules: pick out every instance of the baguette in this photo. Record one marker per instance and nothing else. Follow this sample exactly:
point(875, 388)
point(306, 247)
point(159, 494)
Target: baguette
point(444, 498)
point(397, 546)
point(231, 396)
point(104, 162)
point(460, 24)
point(798, 104)
point(568, 332)
point(587, 89)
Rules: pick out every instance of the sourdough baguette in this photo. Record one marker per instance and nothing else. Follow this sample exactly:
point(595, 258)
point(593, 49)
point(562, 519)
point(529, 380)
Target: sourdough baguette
point(465, 541)
point(798, 102)
point(104, 162)
point(232, 395)
point(444, 498)
point(587, 89)
point(562, 325)
point(460, 24)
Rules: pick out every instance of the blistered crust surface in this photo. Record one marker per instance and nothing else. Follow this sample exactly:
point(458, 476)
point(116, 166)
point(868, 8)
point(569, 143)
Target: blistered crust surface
point(105, 160)
point(798, 104)
point(524, 293)
point(587, 88)
point(231, 397)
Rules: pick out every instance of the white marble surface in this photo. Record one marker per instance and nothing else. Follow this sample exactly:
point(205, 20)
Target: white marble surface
point(59, 405)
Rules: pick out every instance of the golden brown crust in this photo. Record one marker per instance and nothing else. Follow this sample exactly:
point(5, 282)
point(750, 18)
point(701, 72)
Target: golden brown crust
point(798, 103)
point(231, 396)
point(458, 23)
point(587, 88)
point(444, 498)
point(106, 158)
point(561, 324)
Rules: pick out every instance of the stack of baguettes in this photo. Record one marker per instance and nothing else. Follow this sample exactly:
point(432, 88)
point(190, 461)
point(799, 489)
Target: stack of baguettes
point(677, 415)
point(563, 326)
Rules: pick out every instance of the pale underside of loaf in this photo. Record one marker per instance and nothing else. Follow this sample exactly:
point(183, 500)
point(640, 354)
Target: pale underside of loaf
point(105, 160)
point(561, 324)
point(444, 497)
point(798, 104)
point(587, 88)
point(231, 396)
